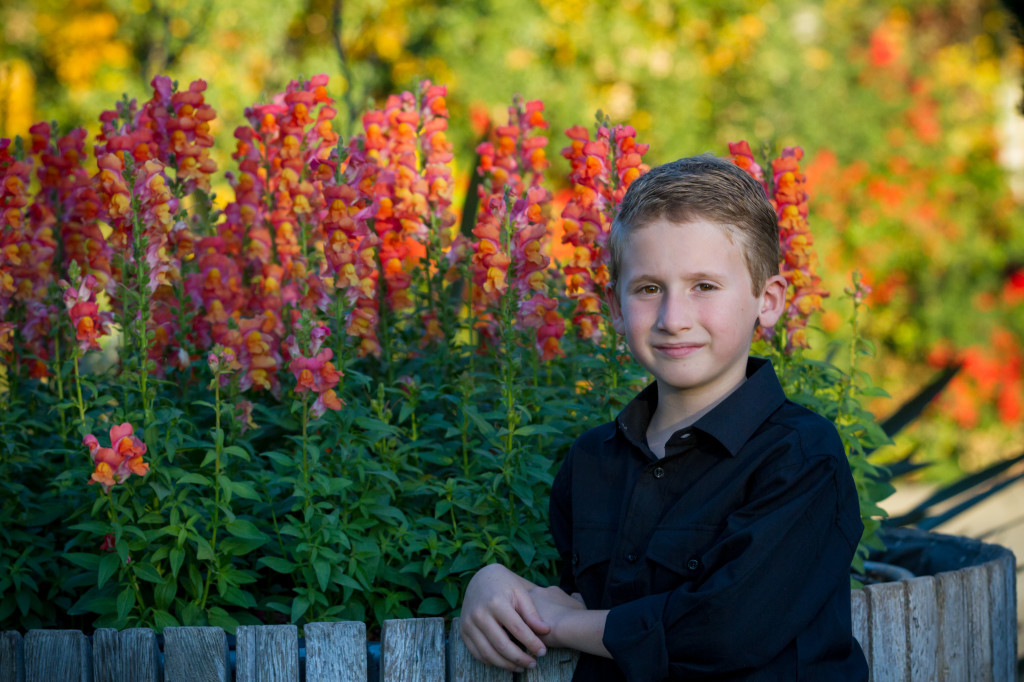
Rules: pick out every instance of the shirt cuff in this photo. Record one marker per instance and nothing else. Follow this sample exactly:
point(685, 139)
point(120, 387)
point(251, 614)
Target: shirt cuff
point(635, 637)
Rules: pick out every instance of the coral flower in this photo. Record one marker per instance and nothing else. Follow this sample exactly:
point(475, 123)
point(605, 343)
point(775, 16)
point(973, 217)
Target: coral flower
point(123, 458)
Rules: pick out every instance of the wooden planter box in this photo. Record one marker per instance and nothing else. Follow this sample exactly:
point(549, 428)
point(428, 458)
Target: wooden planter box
point(956, 622)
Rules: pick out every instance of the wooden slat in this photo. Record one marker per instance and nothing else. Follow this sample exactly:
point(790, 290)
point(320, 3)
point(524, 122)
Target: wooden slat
point(12, 657)
point(127, 656)
point(412, 650)
point(922, 636)
point(979, 607)
point(462, 667)
point(267, 653)
point(557, 666)
point(1004, 618)
point(888, 632)
point(57, 656)
point(196, 654)
point(336, 652)
point(860, 610)
point(953, 631)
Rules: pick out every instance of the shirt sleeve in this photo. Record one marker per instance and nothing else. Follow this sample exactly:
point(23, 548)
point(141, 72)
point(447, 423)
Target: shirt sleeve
point(776, 564)
point(560, 519)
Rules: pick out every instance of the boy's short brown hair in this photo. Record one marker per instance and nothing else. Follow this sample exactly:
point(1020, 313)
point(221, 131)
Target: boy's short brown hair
point(703, 187)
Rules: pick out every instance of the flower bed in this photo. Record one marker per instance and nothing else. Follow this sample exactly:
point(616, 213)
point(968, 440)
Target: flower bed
point(325, 397)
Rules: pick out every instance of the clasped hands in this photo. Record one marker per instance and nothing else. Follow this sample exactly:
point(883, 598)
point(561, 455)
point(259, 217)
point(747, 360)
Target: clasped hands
point(502, 611)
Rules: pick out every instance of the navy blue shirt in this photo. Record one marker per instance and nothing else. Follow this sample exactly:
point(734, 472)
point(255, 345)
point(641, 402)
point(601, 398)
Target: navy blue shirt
point(729, 558)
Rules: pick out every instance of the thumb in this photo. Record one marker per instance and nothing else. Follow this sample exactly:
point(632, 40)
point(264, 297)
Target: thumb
point(528, 612)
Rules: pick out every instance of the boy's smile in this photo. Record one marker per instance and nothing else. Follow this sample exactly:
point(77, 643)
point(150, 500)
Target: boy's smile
point(684, 301)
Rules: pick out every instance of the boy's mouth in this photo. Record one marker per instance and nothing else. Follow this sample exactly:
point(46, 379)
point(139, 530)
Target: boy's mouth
point(677, 350)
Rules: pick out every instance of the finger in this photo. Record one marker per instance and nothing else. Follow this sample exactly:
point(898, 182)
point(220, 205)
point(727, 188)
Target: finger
point(510, 620)
point(492, 645)
point(530, 617)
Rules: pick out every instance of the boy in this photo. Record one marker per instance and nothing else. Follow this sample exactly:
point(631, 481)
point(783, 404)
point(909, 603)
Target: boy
point(707, 533)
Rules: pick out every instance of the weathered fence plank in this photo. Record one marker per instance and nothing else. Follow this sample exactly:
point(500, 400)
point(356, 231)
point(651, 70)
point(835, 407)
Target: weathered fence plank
point(127, 656)
point(889, 631)
point(336, 652)
point(979, 645)
point(860, 610)
point(462, 667)
point(196, 654)
point(949, 588)
point(12, 657)
point(557, 666)
point(57, 656)
point(412, 650)
point(267, 653)
point(1003, 598)
point(922, 639)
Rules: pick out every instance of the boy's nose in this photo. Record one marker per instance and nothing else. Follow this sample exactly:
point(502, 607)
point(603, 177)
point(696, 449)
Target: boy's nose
point(675, 314)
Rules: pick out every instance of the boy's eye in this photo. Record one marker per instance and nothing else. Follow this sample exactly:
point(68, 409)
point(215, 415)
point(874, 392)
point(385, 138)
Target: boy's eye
point(706, 286)
point(648, 289)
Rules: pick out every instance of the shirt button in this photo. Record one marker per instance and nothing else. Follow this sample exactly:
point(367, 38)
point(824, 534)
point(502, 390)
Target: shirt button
point(659, 472)
point(575, 558)
point(631, 557)
point(693, 564)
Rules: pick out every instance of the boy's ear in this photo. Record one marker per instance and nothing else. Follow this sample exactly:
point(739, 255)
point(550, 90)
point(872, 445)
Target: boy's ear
point(611, 297)
point(773, 301)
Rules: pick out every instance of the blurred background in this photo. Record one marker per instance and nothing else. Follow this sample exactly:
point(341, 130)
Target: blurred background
point(909, 112)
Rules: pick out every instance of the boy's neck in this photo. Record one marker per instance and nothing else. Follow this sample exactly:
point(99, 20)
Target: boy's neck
point(675, 412)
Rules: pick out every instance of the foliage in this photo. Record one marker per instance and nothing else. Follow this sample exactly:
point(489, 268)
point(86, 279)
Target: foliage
point(323, 401)
point(908, 109)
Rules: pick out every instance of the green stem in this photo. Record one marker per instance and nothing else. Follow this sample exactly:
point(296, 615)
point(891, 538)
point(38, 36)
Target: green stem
point(305, 436)
point(115, 523)
point(60, 391)
point(218, 448)
point(78, 391)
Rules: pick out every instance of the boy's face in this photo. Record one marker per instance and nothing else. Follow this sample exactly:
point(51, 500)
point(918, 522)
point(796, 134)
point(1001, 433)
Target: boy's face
point(684, 303)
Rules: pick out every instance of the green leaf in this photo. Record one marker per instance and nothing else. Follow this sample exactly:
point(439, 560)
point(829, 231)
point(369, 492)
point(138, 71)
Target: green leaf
point(239, 597)
point(90, 562)
point(246, 530)
point(97, 527)
point(177, 556)
point(125, 602)
point(162, 620)
point(277, 563)
point(220, 618)
point(237, 451)
point(203, 550)
point(432, 606)
point(192, 477)
point(147, 572)
point(163, 594)
point(299, 607)
point(240, 546)
point(108, 565)
point(245, 491)
point(323, 573)
point(535, 429)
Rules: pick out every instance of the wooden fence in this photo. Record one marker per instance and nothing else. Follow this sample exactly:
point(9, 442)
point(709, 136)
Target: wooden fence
point(411, 650)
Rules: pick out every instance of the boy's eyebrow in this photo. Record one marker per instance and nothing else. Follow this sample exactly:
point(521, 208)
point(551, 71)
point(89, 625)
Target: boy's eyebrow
point(703, 274)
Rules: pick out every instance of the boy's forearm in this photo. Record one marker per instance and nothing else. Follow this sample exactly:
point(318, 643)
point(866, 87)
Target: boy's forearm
point(583, 630)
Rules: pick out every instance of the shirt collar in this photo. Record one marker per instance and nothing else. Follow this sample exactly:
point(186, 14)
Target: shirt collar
point(732, 422)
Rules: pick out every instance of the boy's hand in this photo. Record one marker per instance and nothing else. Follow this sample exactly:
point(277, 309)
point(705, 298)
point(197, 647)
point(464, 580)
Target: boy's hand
point(572, 624)
point(498, 605)
point(553, 605)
